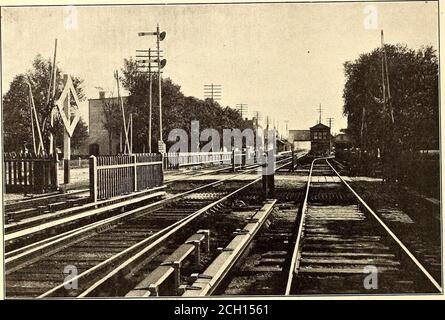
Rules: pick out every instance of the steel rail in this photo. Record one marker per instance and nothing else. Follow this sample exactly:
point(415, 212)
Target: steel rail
point(296, 251)
point(293, 271)
point(147, 244)
point(46, 244)
point(39, 198)
point(225, 261)
point(163, 235)
point(393, 236)
point(75, 213)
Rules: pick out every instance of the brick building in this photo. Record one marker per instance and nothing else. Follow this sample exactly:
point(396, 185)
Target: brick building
point(97, 142)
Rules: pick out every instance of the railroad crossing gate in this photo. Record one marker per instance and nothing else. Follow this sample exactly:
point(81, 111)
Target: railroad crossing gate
point(64, 105)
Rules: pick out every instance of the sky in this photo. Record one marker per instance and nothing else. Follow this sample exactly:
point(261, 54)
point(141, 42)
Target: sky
point(282, 60)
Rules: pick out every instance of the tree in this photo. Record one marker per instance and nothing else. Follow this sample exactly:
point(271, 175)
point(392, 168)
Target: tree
point(80, 134)
point(16, 111)
point(413, 82)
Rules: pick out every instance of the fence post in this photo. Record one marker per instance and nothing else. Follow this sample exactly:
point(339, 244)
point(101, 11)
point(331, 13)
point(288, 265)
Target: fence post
point(233, 161)
point(162, 168)
point(93, 178)
point(66, 171)
point(39, 174)
point(135, 173)
point(55, 178)
point(293, 160)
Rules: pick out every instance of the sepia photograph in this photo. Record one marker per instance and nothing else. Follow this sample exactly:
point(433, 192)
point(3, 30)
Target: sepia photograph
point(273, 150)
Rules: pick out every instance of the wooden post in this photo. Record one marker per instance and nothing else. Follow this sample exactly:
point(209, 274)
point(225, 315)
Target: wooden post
point(268, 178)
point(135, 173)
point(66, 137)
point(233, 161)
point(38, 166)
point(206, 240)
point(153, 289)
point(66, 171)
point(264, 181)
point(293, 159)
point(177, 274)
point(93, 178)
point(19, 172)
point(197, 252)
point(161, 180)
point(25, 175)
point(55, 178)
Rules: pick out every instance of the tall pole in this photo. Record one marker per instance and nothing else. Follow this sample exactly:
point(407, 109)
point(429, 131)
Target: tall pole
point(33, 107)
point(32, 127)
point(212, 91)
point(287, 129)
point(51, 94)
point(330, 121)
point(127, 145)
point(160, 36)
point(66, 137)
point(131, 133)
point(383, 72)
point(242, 108)
point(159, 83)
point(149, 99)
point(385, 76)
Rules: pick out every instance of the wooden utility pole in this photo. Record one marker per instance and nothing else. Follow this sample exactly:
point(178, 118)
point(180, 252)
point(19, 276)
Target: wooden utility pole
point(330, 121)
point(145, 66)
point(242, 109)
point(257, 118)
point(150, 87)
point(34, 117)
point(385, 81)
point(160, 36)
point(50, 100)
point(390, 155)
point(287, 128)
point(32, 126)
point(212, 91)
point(127, 144)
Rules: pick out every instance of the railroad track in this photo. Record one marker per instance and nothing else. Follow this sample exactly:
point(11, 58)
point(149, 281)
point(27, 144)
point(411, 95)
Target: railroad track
point(33, 219)
point(24, 214)
point(257, 264)
point(100, 251)
point(40, 205)
point(341, 240)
